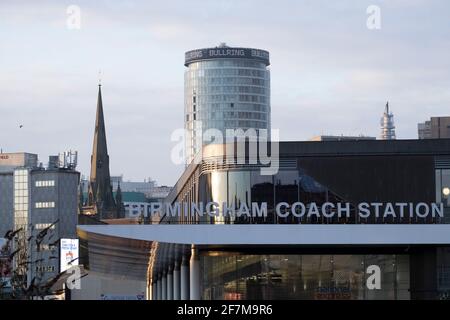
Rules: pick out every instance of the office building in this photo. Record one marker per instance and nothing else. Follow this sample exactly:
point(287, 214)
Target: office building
point(435, 128)
point(37, 198)
point(424, 130)
point(225, 88)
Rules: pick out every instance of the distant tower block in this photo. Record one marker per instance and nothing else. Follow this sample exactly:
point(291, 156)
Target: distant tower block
point(387, 125)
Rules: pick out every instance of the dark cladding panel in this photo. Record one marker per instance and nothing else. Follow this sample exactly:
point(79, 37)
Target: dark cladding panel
point(423, 274)
point(356, 179)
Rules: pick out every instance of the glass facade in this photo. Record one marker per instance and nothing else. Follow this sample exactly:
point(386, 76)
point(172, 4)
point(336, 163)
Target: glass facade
point(321, 180)
point(288, 186)
point(231, 276)
point(21, 222)
point(225, 94)
point(319, 173)
point(21, 198)
point(250, 186)
point(235, 187)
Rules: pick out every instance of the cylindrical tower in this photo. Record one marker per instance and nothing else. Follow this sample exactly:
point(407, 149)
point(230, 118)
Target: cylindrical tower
point(225, 88)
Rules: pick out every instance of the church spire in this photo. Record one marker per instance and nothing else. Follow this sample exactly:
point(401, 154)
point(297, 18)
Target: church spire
point(100, 156)
point(100, 179)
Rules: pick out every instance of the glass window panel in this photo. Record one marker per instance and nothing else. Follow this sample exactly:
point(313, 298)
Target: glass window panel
point(219, 191)
point(239, 191)
point(262, 190)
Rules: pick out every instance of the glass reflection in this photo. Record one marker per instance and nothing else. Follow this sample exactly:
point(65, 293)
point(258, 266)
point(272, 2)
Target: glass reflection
point(239, 193)
point(240, 187)
point(311, 277)
point(219, 194)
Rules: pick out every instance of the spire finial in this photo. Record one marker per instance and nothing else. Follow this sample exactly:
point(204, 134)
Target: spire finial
point(100, 78)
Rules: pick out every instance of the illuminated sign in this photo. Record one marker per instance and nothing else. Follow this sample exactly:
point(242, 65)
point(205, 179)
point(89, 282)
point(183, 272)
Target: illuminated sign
point(69, 253)
point(226, 52)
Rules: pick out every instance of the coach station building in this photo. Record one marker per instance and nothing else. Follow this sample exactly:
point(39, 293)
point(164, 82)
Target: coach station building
point(334, 212)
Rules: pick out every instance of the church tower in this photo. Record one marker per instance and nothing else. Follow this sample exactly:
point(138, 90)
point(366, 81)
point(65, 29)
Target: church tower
point(100, 200)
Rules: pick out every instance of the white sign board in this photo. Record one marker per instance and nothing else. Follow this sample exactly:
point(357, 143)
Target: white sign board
point(69, 254)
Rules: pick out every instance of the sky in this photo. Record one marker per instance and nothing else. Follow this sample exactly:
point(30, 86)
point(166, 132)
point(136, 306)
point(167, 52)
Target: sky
point(330, 73)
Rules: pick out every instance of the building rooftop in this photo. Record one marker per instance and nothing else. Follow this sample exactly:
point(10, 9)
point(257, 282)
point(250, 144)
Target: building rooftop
point(10, 161)
point(341, 138)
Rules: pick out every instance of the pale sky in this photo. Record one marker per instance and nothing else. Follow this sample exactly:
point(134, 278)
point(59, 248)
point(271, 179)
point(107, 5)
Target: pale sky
point(330, 74)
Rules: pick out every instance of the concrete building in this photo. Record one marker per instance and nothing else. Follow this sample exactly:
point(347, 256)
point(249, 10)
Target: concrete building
point(225, 88)
point(424, 130)
point(41, 201)
point(435, 128)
